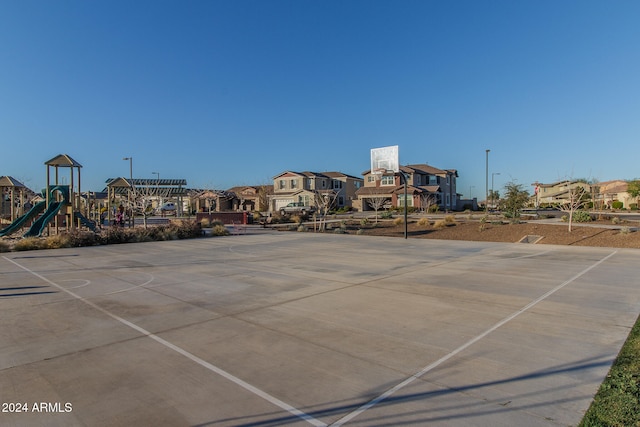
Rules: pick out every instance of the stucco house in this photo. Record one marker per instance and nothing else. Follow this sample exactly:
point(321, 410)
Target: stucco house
point(305, 187)
point(426, 186)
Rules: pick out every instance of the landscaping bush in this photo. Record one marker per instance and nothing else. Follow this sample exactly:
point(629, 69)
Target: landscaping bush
point(617, 204)
point(398, 221)
point(423, 222)
point(582, 216)
point(219, 230)
point(449, 219)
point(28, 244)
point(4, 246)
point(364, 222)
point(439, 224)
point(386, 215)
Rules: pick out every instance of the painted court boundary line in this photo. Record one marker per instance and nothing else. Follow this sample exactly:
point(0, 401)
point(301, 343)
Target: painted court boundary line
point(266, 396)
point(464, 346)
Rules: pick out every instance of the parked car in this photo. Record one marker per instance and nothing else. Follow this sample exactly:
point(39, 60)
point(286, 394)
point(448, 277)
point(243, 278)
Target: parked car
point(297, 207)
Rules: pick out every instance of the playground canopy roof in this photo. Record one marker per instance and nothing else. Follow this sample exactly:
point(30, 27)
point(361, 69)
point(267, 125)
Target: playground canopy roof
point(169, 187)
point(9, 181)
point(63, 160)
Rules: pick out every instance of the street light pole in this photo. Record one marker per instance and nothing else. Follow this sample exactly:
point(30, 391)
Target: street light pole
point(486, 184)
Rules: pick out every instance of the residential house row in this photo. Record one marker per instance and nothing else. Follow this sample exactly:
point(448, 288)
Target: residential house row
point(602, 194)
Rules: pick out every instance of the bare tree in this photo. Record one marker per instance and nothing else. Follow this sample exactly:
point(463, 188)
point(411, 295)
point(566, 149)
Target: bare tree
point(426, 201)
point(578, 196)
point(323, 202)
point(142, 199)
point(377, 203)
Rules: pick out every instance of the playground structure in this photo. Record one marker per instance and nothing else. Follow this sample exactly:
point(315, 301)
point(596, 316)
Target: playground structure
point(62, 206)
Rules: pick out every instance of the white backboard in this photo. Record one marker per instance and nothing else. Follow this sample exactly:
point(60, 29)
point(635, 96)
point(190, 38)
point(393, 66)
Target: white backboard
point(385, 158)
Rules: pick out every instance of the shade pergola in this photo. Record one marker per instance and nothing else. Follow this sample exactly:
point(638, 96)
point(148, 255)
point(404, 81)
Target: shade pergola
point(12, 186)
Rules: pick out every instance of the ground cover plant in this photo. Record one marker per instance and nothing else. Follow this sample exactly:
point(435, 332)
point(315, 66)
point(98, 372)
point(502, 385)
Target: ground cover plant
point(617, 402)
point(113, 235)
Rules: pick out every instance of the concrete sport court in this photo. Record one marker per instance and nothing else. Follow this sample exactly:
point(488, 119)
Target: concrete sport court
point(310, 329)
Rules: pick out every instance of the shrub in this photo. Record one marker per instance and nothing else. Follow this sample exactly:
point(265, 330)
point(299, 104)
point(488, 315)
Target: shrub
point(617, 204)
point(302, 228)
point(205, 223)
point(56, 241)
point(449, 219)
point(364, 222)
point(4, 246)
point(386, 215)
point(633, 206)
point(625, 230)
point(439, 224)
point(581, 216)
point(28, 244)
point(423, 222)
point(398, 221)
point(339, 230)
point(360, 232)
point(219, 230)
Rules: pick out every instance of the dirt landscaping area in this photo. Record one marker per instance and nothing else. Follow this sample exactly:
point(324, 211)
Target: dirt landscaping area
point(595, 234)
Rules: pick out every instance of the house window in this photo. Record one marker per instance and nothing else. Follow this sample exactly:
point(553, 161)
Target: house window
point(448, 200)
point(337, 183)
point(388, 180)
point(371, 178)
point(357, 184)
point(341, 201)
point(310, 183)
point(294, 183)
point(448, 179)
point(401, 200)
point(282, 184)
point(433, 180)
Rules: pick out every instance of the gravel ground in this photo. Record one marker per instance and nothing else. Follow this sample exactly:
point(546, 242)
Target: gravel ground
point(555, 234)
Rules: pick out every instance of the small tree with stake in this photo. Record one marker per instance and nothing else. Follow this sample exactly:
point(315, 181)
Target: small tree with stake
point(377, 203)
point(578, 196)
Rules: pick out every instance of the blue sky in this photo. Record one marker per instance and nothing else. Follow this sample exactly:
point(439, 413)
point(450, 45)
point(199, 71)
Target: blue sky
point(226, 93)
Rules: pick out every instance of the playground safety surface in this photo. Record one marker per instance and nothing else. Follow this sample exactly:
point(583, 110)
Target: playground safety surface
point(298, 328)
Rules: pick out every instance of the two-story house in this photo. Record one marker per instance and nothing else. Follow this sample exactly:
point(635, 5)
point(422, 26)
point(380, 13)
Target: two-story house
point(305, 187)
point(426, 186)
point(557, 193)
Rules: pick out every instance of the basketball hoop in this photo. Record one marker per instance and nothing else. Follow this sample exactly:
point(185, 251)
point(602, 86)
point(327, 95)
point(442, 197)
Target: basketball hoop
point(377, 173)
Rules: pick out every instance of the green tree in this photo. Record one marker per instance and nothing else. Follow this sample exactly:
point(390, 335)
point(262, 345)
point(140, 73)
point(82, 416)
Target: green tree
point(633, 188)
point(515, 198)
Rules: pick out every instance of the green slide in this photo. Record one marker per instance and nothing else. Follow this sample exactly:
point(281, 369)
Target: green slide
point(85, 221)
point(20, 221)
point(38, 227)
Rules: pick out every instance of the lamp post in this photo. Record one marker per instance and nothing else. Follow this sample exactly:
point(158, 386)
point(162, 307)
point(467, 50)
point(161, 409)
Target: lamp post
point(131, 189)
point(492, 193)
point(486, 183)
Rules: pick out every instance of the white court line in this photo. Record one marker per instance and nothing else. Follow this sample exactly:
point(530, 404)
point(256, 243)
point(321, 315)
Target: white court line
point(86, 283)
point(133, 287)
point(464, 346)
point(274, 400)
